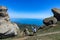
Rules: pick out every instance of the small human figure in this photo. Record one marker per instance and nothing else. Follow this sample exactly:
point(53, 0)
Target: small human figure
point(34, 29)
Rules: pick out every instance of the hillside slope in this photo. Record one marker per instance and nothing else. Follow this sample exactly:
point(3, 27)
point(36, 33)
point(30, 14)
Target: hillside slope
point(48, 33)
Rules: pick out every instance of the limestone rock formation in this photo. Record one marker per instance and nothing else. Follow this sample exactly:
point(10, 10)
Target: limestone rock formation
point(27, 33)
point(50, 20)
point(6, 27)
point(56, 13)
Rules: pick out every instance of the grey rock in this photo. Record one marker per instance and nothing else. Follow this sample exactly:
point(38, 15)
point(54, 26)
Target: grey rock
point(27, 33)
point(6, 27)
point(56, 13)
point(50, 21)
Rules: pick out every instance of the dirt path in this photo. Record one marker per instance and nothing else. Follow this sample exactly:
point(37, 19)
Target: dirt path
point(49, 33)
point(23, 38)
point(38, 35)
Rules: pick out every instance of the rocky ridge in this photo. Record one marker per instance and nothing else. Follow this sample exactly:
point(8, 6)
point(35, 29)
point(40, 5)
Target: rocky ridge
point(54, 19)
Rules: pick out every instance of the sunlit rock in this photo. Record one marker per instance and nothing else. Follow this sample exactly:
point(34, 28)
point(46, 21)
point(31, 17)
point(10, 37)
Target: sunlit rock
point(6, 27)
point(56, 13)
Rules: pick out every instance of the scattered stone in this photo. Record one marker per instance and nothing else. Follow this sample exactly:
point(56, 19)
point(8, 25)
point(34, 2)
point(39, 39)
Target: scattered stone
point(42, 27)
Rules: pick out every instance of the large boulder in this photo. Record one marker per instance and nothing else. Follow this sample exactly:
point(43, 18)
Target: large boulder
point(7, 28)
point(56, 13)
point(50, 20)
point(27, 33)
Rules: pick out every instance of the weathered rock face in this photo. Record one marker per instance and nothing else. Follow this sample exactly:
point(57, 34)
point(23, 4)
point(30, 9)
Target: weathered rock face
point(50, 20)
point(6, 27)
point(56, 13)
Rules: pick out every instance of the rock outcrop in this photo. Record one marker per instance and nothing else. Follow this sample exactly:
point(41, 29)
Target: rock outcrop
point(27, 33)
point(56, 13)
point(50, 20)
point(6, 27)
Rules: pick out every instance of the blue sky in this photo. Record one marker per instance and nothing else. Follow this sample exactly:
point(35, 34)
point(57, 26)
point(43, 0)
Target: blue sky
point(30, 8)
